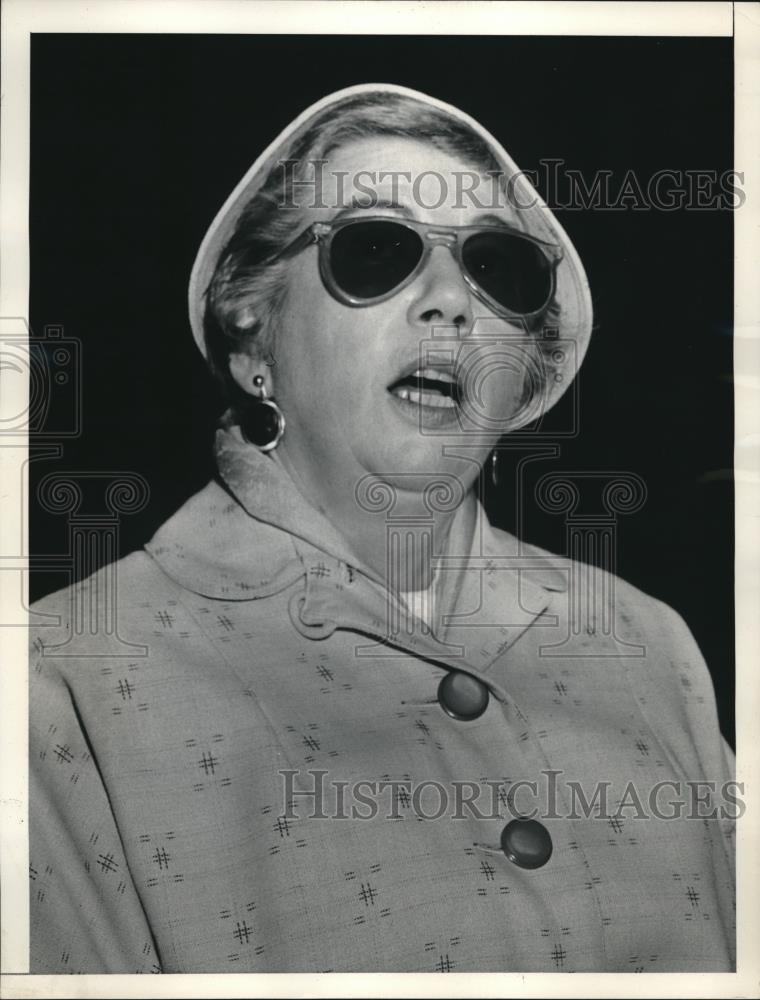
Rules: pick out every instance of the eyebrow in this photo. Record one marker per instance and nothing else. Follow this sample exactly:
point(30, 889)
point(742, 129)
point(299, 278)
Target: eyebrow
point(487, 218)
point(491, 217)
point(357, 205)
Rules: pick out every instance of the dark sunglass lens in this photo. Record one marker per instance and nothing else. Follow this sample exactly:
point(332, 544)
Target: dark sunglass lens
point(369, 259)
point(512, 270)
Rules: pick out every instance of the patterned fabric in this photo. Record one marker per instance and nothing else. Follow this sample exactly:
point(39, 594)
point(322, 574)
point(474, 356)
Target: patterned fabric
point(177, 753)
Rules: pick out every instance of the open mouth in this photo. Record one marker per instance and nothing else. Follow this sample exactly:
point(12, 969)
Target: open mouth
point(427, 387)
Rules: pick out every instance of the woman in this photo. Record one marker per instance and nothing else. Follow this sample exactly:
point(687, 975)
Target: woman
point(347, 740)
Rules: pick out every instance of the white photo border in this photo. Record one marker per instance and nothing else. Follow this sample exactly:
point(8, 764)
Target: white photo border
point(22, 18)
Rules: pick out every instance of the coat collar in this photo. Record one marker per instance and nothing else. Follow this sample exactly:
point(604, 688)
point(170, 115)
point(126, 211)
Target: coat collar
point(244, 535)
point(251, 534)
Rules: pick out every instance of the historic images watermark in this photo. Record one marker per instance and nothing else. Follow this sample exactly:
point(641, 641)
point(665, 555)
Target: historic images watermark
point(311, 794)
point(311, 184)
point(90, 502)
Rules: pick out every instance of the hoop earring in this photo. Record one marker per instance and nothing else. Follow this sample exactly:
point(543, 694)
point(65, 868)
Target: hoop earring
point(263, 422)
point(495, 467)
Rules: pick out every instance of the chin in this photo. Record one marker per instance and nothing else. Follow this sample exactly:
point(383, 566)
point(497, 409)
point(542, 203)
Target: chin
point(419, 458)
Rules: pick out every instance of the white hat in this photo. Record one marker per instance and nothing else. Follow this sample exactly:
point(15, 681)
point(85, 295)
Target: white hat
point(572, 291)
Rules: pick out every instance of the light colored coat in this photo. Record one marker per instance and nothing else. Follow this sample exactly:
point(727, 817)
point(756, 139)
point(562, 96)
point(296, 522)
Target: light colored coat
point(160, 835)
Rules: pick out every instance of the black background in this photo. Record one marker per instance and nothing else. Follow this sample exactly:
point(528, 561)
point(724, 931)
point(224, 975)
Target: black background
point(137, 140)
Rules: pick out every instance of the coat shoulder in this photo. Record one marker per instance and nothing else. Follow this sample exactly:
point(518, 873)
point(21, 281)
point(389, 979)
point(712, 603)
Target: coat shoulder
point(635, 609)
point(94, 613)
point(126, 577)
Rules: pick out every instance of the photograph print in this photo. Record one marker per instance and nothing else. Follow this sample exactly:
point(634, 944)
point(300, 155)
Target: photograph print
point(381, 503)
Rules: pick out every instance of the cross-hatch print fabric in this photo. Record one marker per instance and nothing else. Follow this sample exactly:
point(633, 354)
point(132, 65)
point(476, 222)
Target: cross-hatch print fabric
point(161, 840)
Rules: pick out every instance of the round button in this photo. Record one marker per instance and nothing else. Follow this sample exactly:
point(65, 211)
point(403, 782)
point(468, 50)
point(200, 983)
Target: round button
point(462, 697)
point(526, 843)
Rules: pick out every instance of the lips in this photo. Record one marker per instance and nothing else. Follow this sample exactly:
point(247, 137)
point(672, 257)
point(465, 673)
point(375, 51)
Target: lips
point(427, 387)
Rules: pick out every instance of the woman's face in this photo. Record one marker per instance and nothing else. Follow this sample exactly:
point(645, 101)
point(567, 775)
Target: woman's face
point(339, 371)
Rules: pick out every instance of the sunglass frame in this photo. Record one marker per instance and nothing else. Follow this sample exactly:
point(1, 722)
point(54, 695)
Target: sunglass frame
point(431, 235)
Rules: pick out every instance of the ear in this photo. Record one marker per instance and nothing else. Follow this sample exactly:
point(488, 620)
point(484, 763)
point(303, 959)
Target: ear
point(244, 366)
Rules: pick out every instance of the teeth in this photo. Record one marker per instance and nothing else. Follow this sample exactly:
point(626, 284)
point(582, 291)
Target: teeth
point(434, 373)
point(431, 399)
point(425, 398)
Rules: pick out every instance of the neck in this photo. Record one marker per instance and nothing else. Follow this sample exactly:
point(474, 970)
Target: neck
point(393, 526)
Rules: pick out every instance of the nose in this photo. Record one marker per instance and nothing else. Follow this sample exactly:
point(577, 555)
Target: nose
point(442, 295)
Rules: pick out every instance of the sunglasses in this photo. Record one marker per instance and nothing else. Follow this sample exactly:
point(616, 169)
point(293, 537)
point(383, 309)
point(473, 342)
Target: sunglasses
point(366, 261)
